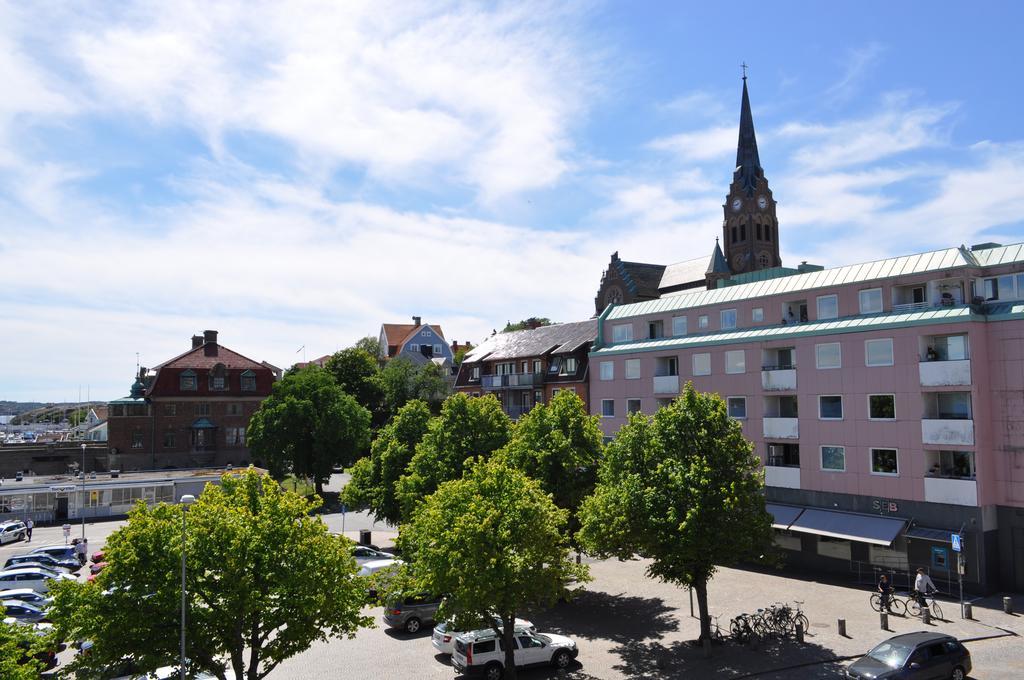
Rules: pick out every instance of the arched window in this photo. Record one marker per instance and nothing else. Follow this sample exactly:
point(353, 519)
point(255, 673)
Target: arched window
point(762, 260)
point(758, 232)
point(218, 378)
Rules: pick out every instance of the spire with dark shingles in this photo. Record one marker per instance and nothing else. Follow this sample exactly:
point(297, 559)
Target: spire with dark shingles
point(748, 165)
point(718, 264)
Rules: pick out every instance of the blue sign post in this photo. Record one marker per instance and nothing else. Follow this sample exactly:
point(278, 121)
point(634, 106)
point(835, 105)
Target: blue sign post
point(957, 545)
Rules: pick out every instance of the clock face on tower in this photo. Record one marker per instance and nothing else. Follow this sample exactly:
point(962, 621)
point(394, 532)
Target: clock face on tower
point(762, 202)
point(613, 296)
point(736, 204)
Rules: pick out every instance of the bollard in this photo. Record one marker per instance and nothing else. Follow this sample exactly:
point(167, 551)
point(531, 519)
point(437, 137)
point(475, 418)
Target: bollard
point(1008, 605)
point(707, 648)
point(799, 632)
point(968, 611)
point(926, 615)
point(841, 625)
point(883, 620)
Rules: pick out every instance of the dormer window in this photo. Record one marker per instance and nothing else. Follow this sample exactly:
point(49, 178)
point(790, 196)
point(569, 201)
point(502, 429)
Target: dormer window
point(218, 378)
point(248, 381)
point(187, 380)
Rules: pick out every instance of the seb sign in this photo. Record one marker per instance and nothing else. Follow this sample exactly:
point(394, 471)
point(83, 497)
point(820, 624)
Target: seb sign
point(884, 506)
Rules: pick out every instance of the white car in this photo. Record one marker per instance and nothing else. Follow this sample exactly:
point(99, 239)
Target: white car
point(26, 595)
point(444, 634)
point(12, 531)
point(373, 566)
point(479, 652)
point(364, 554)
point(37, 579)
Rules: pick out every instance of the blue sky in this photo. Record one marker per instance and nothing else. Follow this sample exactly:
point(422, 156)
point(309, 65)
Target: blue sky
point(295, 173)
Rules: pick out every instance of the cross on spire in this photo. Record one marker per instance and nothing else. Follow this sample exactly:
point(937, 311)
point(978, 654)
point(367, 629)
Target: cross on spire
point(744, 67)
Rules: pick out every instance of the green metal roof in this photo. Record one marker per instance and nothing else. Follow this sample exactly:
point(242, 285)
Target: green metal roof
point(857, 324)
point(937, 260)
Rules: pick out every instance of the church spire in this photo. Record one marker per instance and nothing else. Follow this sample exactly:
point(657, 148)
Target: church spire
point(748, 164)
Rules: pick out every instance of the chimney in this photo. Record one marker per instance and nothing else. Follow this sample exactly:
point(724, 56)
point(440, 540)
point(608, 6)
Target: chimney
point(210, 343)
point(416, 320)
point(197, 341)
point(455, 346)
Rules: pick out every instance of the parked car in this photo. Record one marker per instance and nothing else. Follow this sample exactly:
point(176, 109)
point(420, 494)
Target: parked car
point(412, 612)
point(23, 611)
point(375, 566)
point(444, 634)
point(35, 578)
point(26, 595)
point(97, 556)
point(61, 552)
point(367, 553)
point(42, 559)
point(480, 652)
point(914, 656)
point(12, 531)
point(97, 567)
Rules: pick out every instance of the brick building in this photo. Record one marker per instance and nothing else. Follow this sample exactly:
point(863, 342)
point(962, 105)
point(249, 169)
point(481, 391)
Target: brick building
point(525, 368)
point(190, 411)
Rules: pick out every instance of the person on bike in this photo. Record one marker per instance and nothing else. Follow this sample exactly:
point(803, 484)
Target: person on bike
point(885, 590)
point(923, 585)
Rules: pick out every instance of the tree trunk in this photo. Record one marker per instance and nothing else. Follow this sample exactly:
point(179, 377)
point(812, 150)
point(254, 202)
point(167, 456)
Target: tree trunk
point(701, 588)
point(508, 636)
point(318, 486)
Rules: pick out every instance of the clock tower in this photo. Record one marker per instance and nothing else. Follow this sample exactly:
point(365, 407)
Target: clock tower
point(750, 230)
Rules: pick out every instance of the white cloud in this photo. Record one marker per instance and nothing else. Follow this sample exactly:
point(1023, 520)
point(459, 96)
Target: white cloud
point(858, 62)
point(701, 145)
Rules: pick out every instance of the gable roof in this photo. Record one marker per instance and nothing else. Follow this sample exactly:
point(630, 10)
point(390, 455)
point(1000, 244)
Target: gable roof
point(642, 279)
point(399, 333)
point(554, 339)
point(196, 358)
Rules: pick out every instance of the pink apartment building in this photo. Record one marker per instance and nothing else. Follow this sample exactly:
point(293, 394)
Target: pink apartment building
point(885, 399)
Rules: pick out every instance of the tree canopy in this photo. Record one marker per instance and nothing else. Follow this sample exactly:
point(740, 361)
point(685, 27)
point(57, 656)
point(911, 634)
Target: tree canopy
point(559, 445)
point(683, 489)
point(265, 580)
point(466, 428)
point(357, 373)
point(374, 478)
point(493, 542)
point(19, 645)
point(532, 322)
point(307, 426)
point(402, 381)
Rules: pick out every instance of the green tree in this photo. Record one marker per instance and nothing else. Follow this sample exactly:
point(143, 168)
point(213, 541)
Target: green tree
point(559, 445)
point(369, 344)
point(403, 381)
point(357, 372)
point(532, 322)
point(265, 581)
point(18, 647)
point(682, 489)
point(375, 478)
point(307, 426)
point(493, 542)
point(466, 428)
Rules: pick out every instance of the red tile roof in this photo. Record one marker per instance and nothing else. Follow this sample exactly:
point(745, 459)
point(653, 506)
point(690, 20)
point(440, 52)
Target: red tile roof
point(196, 358)
point(398, 333)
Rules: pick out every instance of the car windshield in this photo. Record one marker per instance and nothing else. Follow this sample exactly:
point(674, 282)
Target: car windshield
point(543, 638)
point(893, 655)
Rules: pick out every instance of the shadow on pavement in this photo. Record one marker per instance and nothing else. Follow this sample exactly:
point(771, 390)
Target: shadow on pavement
point(573, 672)
point(399, 633)
point(598, 615)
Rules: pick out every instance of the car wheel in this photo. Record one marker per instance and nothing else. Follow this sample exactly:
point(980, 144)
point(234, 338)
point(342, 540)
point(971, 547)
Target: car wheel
point(412, 625)
point(561, 660)
point(958, 674)
point(493, 671)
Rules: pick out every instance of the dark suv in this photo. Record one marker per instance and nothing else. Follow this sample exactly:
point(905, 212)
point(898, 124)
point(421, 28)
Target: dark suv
point(914, 656)
point(412, 612)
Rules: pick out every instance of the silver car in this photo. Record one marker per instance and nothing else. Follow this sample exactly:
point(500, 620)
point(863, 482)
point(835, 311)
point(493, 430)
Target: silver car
point(412, 612)
point(22, 611)
point(26, 595)
point(12, 531)
point(37, 579)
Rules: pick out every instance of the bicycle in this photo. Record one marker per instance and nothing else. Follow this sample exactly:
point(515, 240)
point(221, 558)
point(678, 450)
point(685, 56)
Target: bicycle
point(933, 607)
point(897, 605)
point(798, 617)
point(717, 637)
point(741, 629)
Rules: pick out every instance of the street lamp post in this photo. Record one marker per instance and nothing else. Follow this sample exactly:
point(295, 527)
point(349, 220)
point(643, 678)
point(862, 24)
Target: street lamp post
point(185, 501)
point(82, 509)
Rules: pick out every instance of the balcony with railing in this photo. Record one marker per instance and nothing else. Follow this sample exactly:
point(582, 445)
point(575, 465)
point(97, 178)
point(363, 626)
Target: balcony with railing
point(666, 384)
point(945, 360)
point(778, 369)
point(781, 418)
point(949, 478)
point(947, 419)
point(919, 297)
point(511, 380)
point(782, 466)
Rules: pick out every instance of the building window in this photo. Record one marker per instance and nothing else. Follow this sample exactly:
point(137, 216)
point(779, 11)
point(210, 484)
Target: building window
point(655, 329)
point(728, 319)
point(187, 380)
point(414, 348)
point(950, 464)
point(828, 307)
point(632, 406)
point(1002, 287)
point(828, 355)
point(538, 366)
point(878, 352)
point(607, 370)
point(234, 436)
point(947, 348)
point(553, 366)
point(169, 440)
point(234, 409)
point(202, 408)
point(438, 350)
point(702, 321)
point(608, 408)
point(735, 361)
point(137, 440)
point(666, 366)
point(678, 326)
point(830, 407)
point(882, 406)
point(884, 462)
point(757, 314)
point(538, 396)
point(833, 458)
point(170, 409)
point(702, 364)
point(871, 301)
point(568, 366)
point(737, 407)
point(622, 333)
point(476, 373)
point(632, 369)
point(218, 378)
point(248, 381)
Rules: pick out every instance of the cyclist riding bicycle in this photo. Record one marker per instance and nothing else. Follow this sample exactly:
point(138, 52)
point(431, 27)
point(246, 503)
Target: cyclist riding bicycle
point(923, 585)
point(885, 589)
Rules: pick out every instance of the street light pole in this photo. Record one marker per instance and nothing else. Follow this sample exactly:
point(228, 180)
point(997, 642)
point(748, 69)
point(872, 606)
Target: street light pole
point(82, 509)
point(185, 501)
